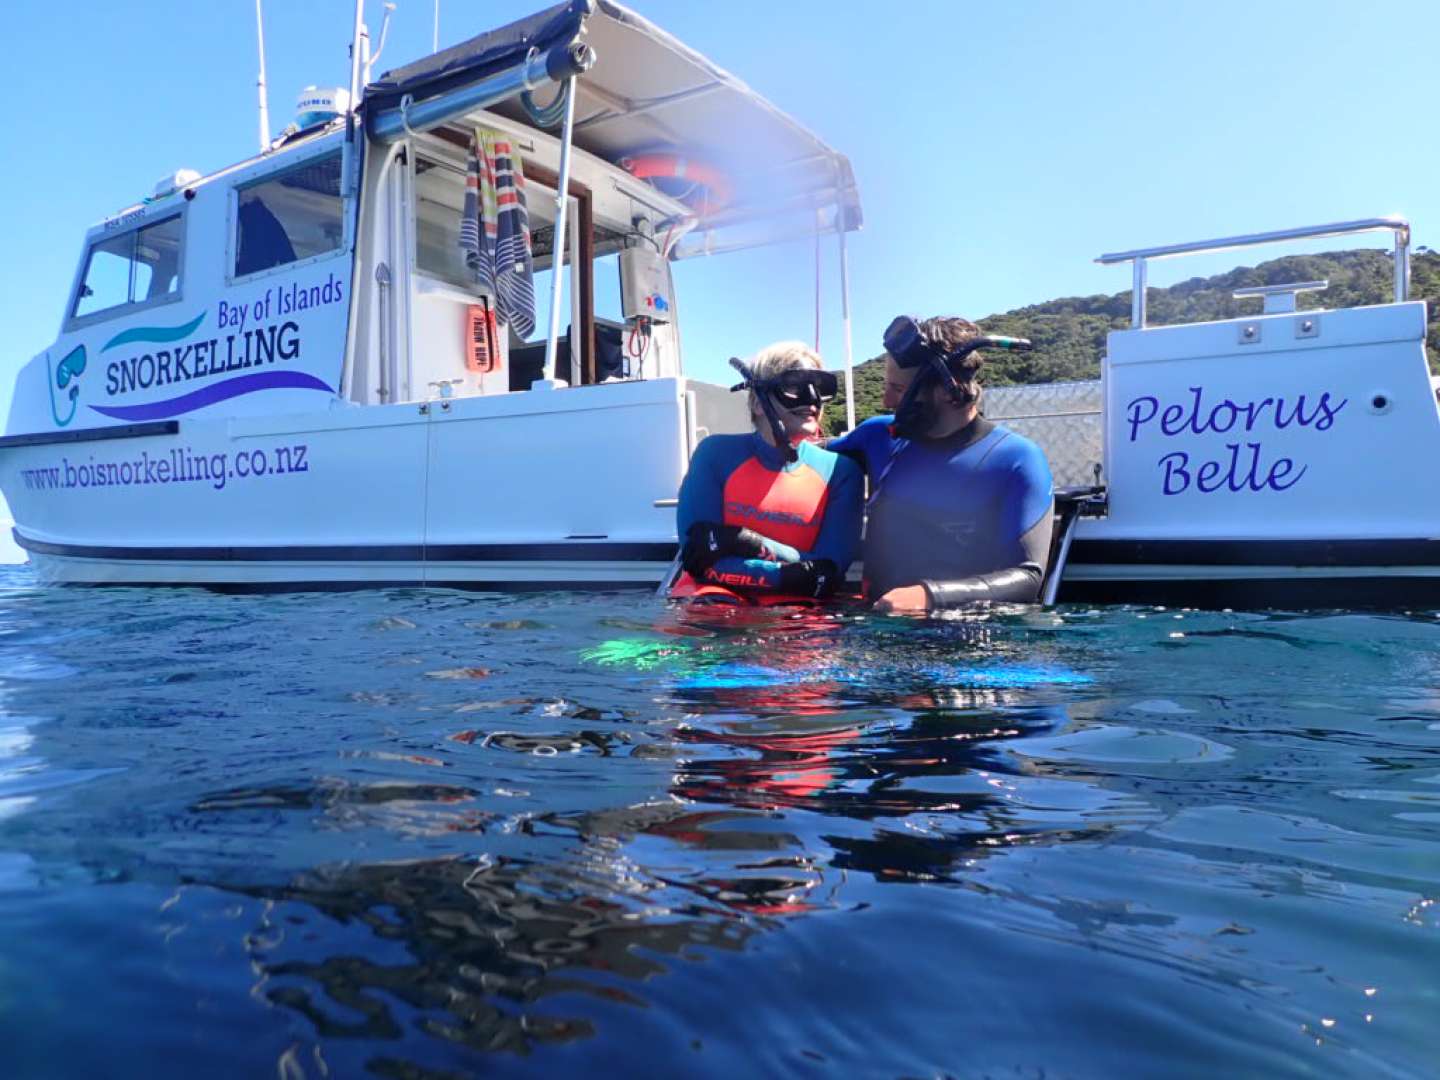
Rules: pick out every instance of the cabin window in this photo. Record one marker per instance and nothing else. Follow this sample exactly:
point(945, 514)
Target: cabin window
point(607, 288)
point(439, 201)
point(135, 267)
point(289, 216)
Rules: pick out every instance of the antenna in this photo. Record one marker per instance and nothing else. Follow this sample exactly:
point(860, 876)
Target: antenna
point(260, 82)
point(355, 45)
point(371, 61)
point(435, 41)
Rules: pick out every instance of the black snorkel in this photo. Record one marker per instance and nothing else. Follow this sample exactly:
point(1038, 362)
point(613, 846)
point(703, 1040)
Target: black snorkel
point(761, 390)
point(911, 349)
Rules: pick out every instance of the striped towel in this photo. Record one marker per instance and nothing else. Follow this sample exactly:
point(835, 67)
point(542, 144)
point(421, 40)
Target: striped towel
point(495, 229)
point(477, 219)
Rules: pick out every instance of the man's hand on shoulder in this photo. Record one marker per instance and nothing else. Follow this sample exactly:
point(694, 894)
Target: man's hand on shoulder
point(907, 599)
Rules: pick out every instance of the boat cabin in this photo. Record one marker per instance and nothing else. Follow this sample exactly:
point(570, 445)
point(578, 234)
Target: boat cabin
point(458, 292)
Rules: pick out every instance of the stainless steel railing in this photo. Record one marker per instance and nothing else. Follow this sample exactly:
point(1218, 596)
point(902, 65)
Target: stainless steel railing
point(1397, 225)
point(538, 70)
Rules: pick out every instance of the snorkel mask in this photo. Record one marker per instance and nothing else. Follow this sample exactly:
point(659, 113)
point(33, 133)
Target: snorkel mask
point(792, 389)
point(911, 349)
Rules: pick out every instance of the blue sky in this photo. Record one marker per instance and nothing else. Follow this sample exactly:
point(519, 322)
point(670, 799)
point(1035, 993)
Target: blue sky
point(999, 147)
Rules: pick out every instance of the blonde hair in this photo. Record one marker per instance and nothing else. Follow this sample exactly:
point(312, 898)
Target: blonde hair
point(773, 359)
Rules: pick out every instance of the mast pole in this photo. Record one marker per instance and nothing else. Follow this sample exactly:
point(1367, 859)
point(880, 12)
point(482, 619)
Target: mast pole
point(845, 324)
point(562, 202)
point(355, 61)
point(819, 221)
point(260, 82)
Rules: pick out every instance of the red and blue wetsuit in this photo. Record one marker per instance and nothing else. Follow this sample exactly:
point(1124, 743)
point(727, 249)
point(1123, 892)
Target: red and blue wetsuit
point(798, 522)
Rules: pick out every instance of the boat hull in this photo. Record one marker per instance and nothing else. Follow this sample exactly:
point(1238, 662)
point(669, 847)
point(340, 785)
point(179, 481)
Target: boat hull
point(595, 565)
point(1372, 573)
point(1259, 574)
point(559, 489)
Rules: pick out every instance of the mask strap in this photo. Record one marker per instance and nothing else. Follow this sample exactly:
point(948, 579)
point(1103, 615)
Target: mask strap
point(942, 369)
point(939, 369)
point(762, 391)
point(907, 404)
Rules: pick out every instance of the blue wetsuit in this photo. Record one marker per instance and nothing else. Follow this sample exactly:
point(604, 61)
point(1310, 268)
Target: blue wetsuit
point(805, 515)
point(968, 516)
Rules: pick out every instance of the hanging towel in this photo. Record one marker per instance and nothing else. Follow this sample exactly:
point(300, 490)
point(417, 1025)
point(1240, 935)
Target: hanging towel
point(477, 219)
point(495, 229)
point(514, 265)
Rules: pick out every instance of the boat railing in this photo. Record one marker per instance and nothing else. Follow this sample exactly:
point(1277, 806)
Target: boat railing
point(1139, 257)
point(409, 117)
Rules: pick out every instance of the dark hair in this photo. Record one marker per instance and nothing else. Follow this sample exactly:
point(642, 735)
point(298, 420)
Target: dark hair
point(950, 332)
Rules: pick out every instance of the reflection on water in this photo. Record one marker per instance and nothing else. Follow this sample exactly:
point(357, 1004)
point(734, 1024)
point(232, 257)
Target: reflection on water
point(486, 946)
point(493, 947)
point(439, 834)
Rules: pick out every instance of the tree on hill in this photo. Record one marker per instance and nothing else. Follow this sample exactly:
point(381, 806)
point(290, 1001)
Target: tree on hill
point(1069, 334)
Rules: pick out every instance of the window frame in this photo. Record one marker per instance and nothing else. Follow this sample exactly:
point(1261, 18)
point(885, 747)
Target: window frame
point(129, 224)
point(272, 169)
point(442, 155)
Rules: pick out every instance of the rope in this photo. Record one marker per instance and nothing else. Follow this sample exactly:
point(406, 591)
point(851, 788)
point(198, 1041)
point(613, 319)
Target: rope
point(545, 116)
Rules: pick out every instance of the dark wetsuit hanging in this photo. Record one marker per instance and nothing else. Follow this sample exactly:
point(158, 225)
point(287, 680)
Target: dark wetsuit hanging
point(968, 516)
point(760, 527)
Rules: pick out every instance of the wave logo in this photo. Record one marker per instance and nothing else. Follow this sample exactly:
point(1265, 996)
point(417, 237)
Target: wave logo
point(158, 335)
point(201, 360)
point(65, 377)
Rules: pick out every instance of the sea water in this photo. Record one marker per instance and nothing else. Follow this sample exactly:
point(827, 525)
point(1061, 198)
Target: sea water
point(415, 833)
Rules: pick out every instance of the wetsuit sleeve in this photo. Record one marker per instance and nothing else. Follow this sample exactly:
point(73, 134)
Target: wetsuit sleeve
point(1028, 514)
point(839, 539)
point(702, 492)
point(851, 444)
point(867, 444)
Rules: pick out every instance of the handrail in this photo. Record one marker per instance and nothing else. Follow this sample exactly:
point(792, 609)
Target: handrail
point(1343, 228)
point(409, 117)
point(1397, 225)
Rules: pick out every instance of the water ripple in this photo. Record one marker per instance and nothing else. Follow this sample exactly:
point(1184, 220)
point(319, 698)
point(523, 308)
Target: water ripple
point(424, 834)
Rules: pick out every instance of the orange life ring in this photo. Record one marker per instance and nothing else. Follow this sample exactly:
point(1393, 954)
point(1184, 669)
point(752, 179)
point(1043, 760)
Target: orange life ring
point(718, 190)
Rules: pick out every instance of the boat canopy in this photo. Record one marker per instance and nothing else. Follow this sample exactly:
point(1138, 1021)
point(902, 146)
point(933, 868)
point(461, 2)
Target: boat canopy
point(647, 94)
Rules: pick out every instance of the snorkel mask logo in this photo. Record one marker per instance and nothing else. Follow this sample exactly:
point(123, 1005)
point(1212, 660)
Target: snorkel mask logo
point(65, 378)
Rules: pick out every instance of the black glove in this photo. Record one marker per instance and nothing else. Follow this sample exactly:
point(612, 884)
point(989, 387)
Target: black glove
point(813, 577)
point(707, 543)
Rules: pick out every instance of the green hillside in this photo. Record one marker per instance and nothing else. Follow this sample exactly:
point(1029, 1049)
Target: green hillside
point(1069, 334)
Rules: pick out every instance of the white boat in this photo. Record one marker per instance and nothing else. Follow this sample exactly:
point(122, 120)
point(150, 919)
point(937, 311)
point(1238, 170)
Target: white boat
point(265, 376)
point(272, 376)
point(1275, 460)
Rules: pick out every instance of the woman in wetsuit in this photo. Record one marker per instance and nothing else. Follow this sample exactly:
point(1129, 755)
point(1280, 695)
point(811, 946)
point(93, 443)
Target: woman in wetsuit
point(772, 515)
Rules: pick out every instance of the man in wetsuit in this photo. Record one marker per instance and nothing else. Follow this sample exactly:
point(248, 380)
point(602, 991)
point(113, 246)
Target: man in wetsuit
point(960, 509)
point(771, 515)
